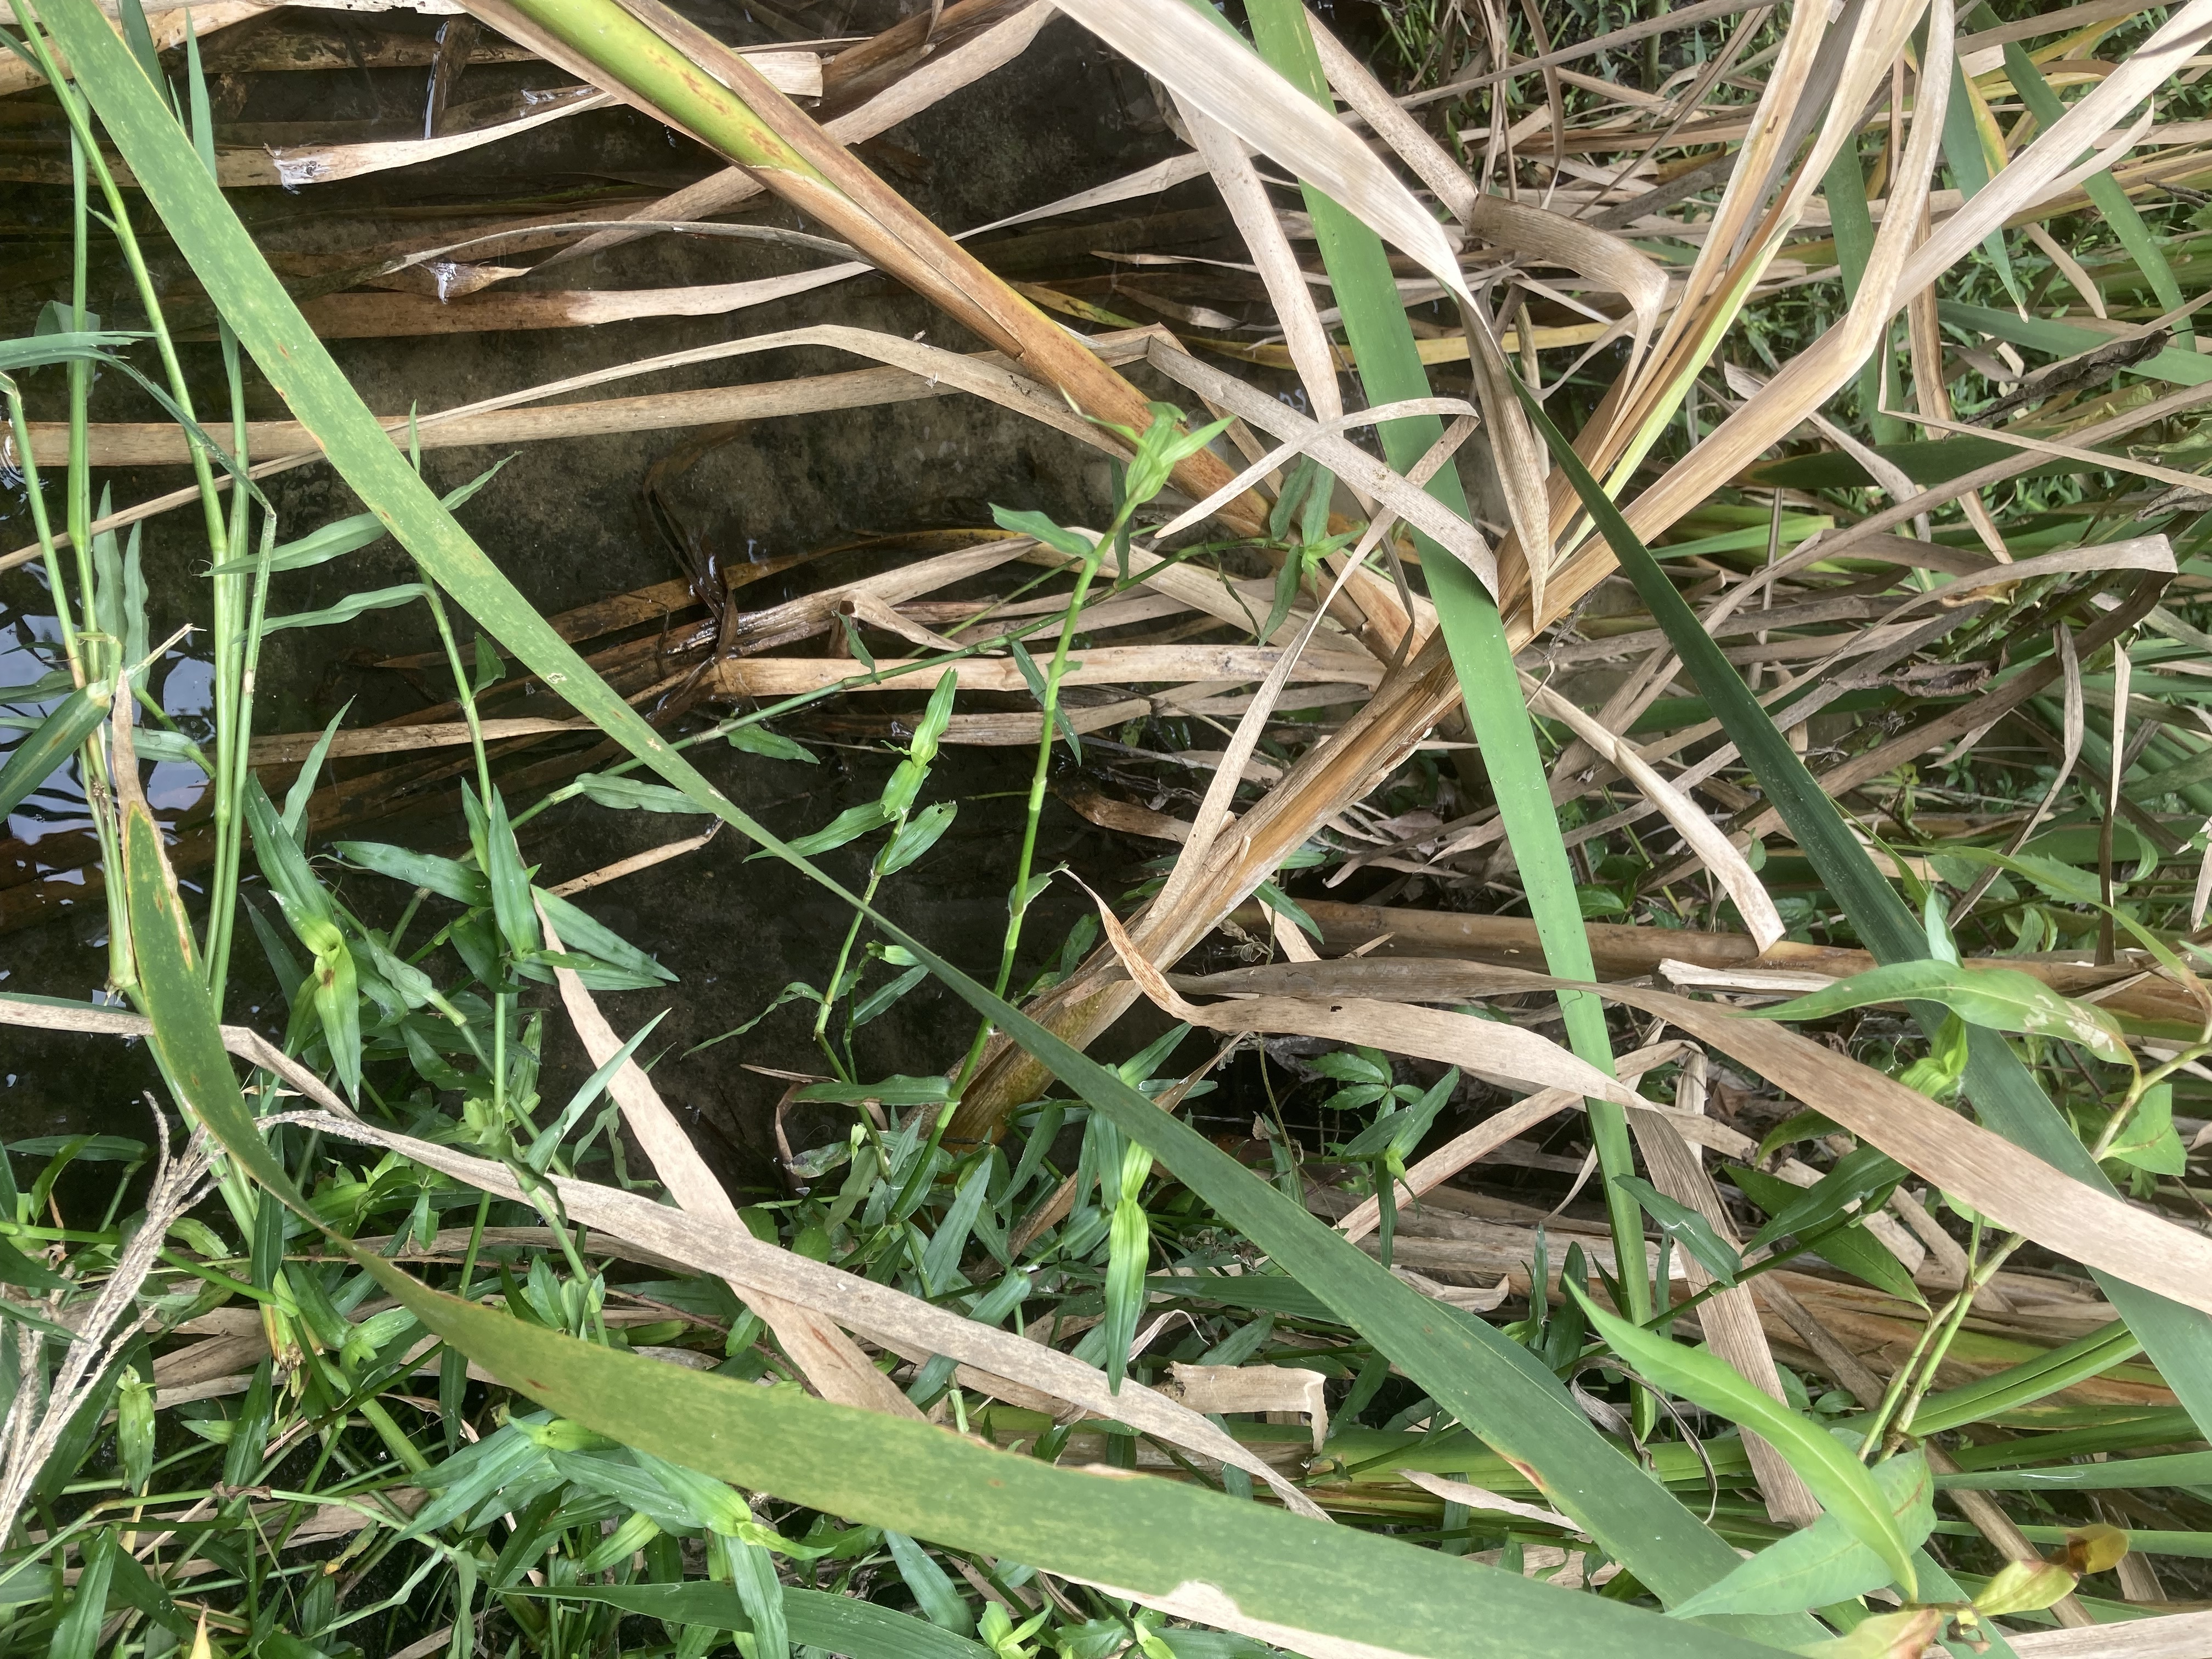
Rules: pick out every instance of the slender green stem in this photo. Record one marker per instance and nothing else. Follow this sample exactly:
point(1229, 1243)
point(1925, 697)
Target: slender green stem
point(1954, 1320)
point(842, 1067)
point(118, 220)
point(79, 503)
point(475, 1241)
point(1040, 775)
point(49, 554)
point(1017, 900)
point(228, 599)
point(231, 782)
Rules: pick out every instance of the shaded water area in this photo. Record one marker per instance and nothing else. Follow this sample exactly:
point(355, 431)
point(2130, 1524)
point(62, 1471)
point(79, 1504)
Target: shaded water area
point(575, 521)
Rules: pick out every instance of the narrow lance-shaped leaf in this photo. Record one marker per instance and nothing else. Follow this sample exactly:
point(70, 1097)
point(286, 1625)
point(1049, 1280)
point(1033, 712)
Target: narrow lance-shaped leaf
point(1391, 369)
point(1995, 999)
point(50, 745)
point(1212, 1557)
point(1825, 1563)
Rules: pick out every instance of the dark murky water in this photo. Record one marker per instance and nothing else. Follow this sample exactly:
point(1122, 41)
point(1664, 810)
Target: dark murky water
point(563, 520)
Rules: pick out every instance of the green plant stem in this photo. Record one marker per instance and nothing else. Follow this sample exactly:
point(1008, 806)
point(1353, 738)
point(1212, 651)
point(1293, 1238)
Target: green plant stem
point(1955, 1319)
point(78, 506)
point(502, 1001)
point(1040, 775)
point(118, 220)
point(230, 785)
point(843, 1067)
point(35, 494)
point(1017, 900)
point(229, 602)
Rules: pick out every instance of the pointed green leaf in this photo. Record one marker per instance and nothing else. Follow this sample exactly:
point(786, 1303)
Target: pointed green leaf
point(1995, 999)
point(48, 747)
point(1824, 1564)
point(1839, 1480)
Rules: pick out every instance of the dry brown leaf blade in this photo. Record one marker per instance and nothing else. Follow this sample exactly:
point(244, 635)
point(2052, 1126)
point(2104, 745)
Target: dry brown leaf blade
point(1504, 1053)
point(1292, 296)
point(831, 1360)
point(1217, 73)
point(2014, 1189)
point(1730, 1319)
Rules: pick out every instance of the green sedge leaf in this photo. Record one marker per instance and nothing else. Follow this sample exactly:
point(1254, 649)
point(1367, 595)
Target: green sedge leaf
point(2149, 1141)
point(917, 836)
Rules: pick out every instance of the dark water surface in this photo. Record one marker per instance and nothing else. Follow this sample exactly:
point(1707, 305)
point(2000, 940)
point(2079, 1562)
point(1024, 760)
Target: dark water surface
point(564, 520)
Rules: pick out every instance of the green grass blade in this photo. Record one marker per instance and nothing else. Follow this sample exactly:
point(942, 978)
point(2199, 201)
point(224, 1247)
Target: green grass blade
point(1489, 1382)
point(1390, 369)
point(2005, 1097)
point(1838, 1479)
point(836, 1623)
point(2063, 339)
point(188, 1039)
point(2120, 1474)
point(2023, 1384)
point(1851, 222)
point(1969, 167)
point(1222, 1559)
point(49, 743)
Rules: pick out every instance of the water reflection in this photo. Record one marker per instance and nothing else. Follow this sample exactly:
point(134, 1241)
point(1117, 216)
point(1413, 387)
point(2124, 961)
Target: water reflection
point(33, 681)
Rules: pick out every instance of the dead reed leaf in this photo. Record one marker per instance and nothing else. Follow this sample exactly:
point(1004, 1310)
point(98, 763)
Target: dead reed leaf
point(936, 79)
point(1246, 198)
point(728, 104)
point(1217, 72)
point(1503, 1054)
point(1730, 1319)
point(1712, 848)
point(168, 28)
